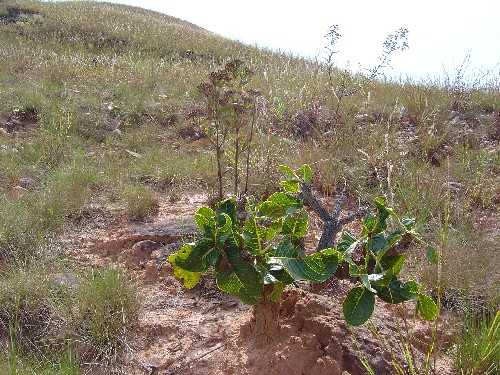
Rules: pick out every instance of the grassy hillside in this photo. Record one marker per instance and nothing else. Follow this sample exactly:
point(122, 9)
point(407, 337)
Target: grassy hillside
point(96, 104)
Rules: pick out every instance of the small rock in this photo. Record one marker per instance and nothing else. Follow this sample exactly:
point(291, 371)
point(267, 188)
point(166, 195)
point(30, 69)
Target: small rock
point(453, 114)
point(145, 248)
point(134, 154)
point(452, 186)
point(3, 131)
point(117, 132)
point(28, 183)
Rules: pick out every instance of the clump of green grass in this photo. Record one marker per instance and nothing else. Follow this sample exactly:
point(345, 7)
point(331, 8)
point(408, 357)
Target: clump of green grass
point(27, 314)
point(107, 307)
point(29, 218)
point(54, 321)
point(63, 363)
point(141, 202)
point(477, 345)
point(24, 227)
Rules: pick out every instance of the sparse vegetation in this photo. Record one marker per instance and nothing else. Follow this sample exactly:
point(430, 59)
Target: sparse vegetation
point(51, 320)
point(95, 111)
point(477, 348)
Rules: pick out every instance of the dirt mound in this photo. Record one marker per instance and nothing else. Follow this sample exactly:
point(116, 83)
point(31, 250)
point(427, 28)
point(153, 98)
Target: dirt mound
point(204, 331)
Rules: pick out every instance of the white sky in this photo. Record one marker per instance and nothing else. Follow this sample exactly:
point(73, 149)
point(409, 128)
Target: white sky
point(441, 32)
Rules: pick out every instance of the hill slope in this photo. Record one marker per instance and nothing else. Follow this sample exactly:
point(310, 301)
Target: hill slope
point(97, 130)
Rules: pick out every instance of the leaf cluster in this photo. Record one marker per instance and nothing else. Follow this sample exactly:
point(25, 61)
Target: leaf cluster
point(260, 245)
point(379, 266)
point(253, 248)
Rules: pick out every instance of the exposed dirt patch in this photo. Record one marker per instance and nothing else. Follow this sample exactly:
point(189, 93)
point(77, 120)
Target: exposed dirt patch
point(22, 120)
point(13, 14)
point(203, 331)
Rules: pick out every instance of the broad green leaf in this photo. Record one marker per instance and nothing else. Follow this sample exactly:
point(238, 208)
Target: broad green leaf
point(276, 294)
point(296, 225)
point(377, 243)
point(388, 267)
point(266, 276)
point(410, 289)
point(398, 291)
point(278, 204)
point(229, 282)
point(317, 267)
point(427, 307)
point(306, 173)
point(274, 228)
point(382, 215)
point(369, 223)
point(386, 295)
point(366, 282)
point(285, 249)
point(246, 273)
point(197, 257)
point(408, 223)
point(395, 237)
point(289, 171)
point(226, 207)
point(204, 216)
point(394, 263)
point(348, 241)
point(253, 234)
point(354, 270)
point(290, 186)
point(358, 306)
point(277, 270)
point(190, 278)
point(285, 200)
point(271, 209)
point(225, 231)
point(432, 255)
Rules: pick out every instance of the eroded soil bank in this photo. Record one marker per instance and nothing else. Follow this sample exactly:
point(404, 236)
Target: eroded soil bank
point(203, 331)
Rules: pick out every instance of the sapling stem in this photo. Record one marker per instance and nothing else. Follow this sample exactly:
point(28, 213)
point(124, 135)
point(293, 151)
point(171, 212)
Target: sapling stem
point(236, 159)
point(249, 146)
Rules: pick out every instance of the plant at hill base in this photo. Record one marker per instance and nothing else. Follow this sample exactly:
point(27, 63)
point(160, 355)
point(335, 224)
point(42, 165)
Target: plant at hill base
point(255, 251)
point(229, 120)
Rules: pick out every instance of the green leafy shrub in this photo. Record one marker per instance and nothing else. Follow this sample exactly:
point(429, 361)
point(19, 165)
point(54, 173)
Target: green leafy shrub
point(254, 249)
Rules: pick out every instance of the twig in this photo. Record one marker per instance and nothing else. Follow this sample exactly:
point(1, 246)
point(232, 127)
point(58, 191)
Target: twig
point(310, 200)
point(197, 358)
point(361, 212)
